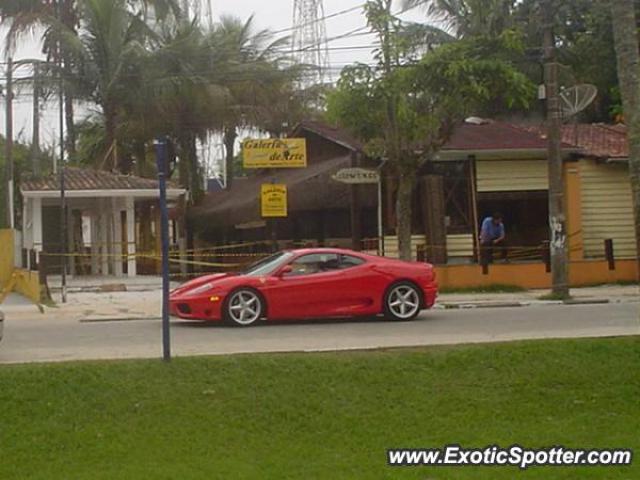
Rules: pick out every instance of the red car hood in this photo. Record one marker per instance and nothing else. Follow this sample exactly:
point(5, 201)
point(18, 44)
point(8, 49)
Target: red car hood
point(196, 282)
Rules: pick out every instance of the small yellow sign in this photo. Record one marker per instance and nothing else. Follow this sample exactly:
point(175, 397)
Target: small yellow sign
point(274, 200)
point(274, 153)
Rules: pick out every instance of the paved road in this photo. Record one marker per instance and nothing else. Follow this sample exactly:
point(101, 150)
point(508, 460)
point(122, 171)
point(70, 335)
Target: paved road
point(41, 339)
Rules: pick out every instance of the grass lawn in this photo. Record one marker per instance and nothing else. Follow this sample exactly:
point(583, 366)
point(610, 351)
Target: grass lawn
point(316, 416)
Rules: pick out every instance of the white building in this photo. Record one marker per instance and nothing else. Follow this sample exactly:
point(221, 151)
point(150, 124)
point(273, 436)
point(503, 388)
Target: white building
point(112, 222)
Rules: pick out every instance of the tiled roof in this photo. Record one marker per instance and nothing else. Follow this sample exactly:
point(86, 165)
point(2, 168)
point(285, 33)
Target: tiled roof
point(89, 179)
point(598, 139)
point(337, 135)
point(495, 135)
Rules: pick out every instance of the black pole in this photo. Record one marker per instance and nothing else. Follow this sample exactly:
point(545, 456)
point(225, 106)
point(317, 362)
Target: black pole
point(9, 147)
point(63, 200)
point(161, 159)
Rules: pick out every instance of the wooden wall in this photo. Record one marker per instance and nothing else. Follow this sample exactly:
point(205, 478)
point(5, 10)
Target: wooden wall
point(460, 245)
point(391, 246)
point(607, 209)
point(457, 245)
point(511, 175)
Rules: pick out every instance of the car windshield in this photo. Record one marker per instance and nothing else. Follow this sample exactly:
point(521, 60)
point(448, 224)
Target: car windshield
point(268, 265)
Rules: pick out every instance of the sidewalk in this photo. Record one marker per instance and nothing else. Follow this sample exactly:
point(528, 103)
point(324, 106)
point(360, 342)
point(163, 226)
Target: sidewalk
point(584, 295)
point(118, 305)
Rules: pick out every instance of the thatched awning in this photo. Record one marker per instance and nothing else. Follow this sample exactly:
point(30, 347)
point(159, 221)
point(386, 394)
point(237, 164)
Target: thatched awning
point(309, 189)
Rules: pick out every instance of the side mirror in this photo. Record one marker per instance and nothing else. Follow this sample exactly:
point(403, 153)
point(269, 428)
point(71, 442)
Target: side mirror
point(285, 270)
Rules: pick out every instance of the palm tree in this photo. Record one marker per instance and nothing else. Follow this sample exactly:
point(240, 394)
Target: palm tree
point(180, 100)
point(63, 18)
point(626, 44)
point(106, 56)
point(466, 18)
point(24, 16)
point(251, 66)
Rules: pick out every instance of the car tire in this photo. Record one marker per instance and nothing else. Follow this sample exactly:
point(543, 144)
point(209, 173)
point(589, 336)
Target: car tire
point(402, 302)
point(243, 308)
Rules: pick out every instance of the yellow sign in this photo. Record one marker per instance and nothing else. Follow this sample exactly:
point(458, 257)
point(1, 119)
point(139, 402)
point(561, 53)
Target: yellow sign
point(274, 200)
point(275, 153)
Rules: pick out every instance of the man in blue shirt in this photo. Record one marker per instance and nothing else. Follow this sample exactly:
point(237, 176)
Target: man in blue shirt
point(492, 235)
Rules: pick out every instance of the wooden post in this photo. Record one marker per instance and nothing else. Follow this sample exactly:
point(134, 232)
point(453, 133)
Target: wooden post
point(104, 240)
point(433, 218)
point(72, 262)
point(356, 224)
point(608, 251)
point(95, 240)
point(117, 238)
point(474, 206)
point(131, 238)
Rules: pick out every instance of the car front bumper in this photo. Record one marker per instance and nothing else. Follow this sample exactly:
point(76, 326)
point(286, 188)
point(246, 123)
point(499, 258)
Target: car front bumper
point(206, 307)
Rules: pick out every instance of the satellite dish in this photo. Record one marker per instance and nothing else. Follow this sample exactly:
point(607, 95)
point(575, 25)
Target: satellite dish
point(575, 99)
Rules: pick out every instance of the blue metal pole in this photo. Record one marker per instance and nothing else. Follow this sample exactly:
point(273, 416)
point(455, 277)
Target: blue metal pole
point(161, 160)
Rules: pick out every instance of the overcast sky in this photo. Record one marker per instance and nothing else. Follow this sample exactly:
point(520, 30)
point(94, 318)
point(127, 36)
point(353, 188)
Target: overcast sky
point(272, 14)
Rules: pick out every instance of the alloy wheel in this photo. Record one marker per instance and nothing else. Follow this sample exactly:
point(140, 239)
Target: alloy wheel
point(245, 307)
point(403, 301)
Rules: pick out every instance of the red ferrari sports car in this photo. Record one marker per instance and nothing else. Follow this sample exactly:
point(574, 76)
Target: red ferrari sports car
point(309, 283)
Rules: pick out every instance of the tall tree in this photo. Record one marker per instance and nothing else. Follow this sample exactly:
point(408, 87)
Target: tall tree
point(625, 30)
point(26, 15)
point(106, 54)
point(63, 17)
point(465, 18)
point(407, 112)
point(249, 64)
point(179, 98)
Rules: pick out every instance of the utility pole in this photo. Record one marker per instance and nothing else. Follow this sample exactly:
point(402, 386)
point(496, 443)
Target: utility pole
point(9, 146)
point(35, 140)
point(625, 34)
point(161, 162)
point(557, 220)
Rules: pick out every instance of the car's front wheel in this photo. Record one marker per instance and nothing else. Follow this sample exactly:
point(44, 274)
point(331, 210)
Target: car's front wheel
point(402, 301)
point(243, 308)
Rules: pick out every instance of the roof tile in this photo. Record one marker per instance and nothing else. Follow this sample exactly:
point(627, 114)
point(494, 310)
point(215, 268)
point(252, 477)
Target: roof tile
point(496, 135)
point(89, 179)
point(597, 139)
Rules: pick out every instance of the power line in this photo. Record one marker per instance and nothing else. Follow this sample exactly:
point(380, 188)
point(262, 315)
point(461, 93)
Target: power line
point(321, 19)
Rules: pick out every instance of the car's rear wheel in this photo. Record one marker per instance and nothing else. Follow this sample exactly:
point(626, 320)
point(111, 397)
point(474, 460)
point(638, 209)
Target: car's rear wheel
point(402, 302)
point(243, 308)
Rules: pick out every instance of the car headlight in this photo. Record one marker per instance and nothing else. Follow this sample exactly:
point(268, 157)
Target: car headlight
point(201, 289)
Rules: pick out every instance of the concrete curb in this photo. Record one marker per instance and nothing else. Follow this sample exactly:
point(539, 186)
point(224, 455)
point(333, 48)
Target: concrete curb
point(515, 304)
point(581, 301)
point(480, 304)
point(117, 319)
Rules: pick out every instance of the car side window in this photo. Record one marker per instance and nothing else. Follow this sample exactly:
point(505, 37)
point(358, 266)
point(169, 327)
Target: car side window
point(348, 261)
point(314, 263)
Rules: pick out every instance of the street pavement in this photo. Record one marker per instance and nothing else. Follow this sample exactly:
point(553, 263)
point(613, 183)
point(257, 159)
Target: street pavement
point(81, 335)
